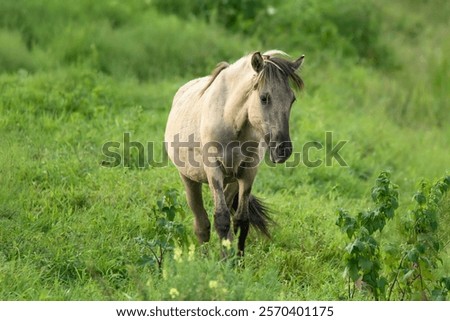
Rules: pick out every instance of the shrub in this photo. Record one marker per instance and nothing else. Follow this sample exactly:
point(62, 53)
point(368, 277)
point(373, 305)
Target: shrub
point(404, 270)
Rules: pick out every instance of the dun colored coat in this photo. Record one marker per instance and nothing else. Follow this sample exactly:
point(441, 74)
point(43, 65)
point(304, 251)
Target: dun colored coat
point(218, 130)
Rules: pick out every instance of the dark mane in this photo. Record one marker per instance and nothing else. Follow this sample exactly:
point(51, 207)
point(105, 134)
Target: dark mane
point(220, 66)
point(279, 69)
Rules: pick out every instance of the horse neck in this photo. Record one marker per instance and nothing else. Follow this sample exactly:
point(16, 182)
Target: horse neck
point(240, 79)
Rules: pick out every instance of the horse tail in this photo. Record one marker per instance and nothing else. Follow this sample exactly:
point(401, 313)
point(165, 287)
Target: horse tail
point(259, 214)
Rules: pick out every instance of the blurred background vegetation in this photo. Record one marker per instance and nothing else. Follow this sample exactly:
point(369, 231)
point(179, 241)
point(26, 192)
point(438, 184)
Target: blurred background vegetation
point(156, 39)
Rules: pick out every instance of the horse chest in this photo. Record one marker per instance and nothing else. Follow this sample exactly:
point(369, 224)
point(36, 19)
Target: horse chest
point(238, 155)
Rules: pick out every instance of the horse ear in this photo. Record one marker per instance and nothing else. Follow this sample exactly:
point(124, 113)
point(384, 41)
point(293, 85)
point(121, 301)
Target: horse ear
point(299, 62)
point(257, 62)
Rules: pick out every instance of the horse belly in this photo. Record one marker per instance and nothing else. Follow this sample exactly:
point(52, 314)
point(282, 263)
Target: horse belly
point(182, 135)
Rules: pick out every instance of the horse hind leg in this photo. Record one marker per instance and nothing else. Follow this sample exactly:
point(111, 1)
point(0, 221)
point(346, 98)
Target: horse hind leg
point(240, 219)
point(202, 225)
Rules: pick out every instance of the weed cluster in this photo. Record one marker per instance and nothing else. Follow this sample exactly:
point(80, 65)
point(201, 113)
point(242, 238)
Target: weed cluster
point(166, 233)
point(413, 275)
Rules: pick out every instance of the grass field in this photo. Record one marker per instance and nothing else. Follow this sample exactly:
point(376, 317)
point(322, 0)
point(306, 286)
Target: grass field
point(75, 76)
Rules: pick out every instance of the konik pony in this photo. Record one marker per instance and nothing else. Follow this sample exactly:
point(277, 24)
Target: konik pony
point(218, 131)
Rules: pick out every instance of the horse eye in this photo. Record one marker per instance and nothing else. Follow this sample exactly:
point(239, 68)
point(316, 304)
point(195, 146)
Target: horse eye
point(265, 99)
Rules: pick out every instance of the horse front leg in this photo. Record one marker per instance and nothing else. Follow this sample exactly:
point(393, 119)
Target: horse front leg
point(222, 219)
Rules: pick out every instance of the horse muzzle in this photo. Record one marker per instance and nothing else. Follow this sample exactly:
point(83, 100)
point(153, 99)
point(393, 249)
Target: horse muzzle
point(281, 152)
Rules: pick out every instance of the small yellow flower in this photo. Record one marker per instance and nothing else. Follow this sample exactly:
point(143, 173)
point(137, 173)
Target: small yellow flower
point(177, 255)
point(213, 284)
point(174, 293)
point(226, 243)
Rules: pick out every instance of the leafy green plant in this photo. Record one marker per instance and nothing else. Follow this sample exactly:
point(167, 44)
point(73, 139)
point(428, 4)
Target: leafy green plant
point(362, 257)
point(366, 261)
point(422, 251)
point(166, 232)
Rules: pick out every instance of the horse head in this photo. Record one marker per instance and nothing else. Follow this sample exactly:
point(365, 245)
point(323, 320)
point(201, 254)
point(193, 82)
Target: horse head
point(272, 99)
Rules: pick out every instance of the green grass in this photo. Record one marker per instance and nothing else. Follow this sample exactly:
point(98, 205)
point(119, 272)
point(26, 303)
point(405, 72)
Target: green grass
point(85, 76)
